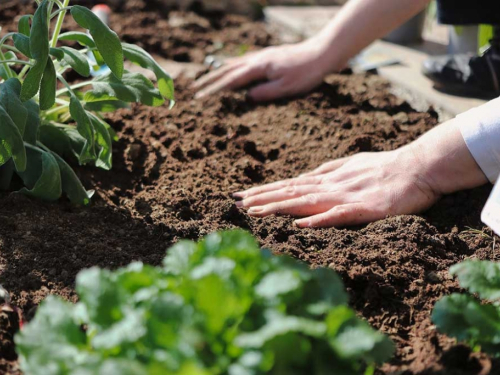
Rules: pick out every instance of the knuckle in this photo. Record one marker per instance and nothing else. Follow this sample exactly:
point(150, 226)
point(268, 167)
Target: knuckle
point(290, 190)
point(311, 199)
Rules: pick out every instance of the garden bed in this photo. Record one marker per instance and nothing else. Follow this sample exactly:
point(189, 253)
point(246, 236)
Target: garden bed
point(174, 172)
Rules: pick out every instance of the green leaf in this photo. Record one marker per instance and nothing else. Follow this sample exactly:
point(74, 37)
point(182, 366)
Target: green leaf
point(278, 283)
point(76, 60)
point(48, 86)
point(10, 91)
point(57, 53)
point(133, 87)
point(42, 176)
point(140, 57)
point(39, 48)
point(22, 43)
point(71, 185)
point(84, 127)
point(106, 106)
point(480, 277)
point(11, 142)
point(24, 25)
point(360, 341)
point(103, 139)
point(79, 37)
point(6, 173)
point(177, 260)
point(106, 40)
point(32, 123)
point(54, 337)
point(279, 325)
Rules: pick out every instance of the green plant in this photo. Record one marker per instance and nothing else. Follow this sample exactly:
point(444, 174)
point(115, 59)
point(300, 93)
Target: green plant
point(39, 124)
point(222, 306)
point(463, 316)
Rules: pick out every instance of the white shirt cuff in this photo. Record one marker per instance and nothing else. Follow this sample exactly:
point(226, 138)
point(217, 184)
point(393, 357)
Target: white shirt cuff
point(480, 128)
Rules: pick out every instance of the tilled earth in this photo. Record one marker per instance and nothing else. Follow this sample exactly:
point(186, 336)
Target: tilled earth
point(174, 172)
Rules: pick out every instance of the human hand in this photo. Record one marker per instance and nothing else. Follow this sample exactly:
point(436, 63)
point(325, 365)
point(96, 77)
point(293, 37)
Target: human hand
point(289, 70)
point(370, 186)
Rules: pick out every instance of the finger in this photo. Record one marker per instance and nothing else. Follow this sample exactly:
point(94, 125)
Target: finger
point(280, 195)
point(341, 216)
point(269, 91)
point(306, 205)
point(234, 79)
point(277, 185)
point(326, 168)
point(214, 75)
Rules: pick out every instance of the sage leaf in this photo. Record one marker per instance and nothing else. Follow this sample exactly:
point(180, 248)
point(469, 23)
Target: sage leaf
point(39, 48)
point(139, 56)
point(10, 91)
point(11, 142)
point(24, 25)
point(42, 177)
point(48, 86)
point(133, 87)
point(76, 60)
point(84, 127)
point(106, 40)
point(103, 140)
point(22, 43)
point(79, 37)
point(71, 185)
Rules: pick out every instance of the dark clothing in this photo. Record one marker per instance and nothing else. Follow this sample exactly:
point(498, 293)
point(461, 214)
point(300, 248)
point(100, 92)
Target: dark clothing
point(466, 12)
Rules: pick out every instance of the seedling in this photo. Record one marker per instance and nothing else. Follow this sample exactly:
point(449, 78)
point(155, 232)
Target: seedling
point(464, 316)
point(221, 306)
point(45, 120)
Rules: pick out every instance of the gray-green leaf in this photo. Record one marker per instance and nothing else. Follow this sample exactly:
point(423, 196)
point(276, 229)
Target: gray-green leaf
point(42, 176)
point(48, 86)
point(106, 40)
point(133, 87)
point(11, 142)
point(24, 25)
point(76, 60)
point(79, 37)
point(39, 48)
point(84, 127)
point(140, 57)
point(71, 185)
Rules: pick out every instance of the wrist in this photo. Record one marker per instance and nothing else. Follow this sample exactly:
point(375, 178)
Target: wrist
point(444, 160)
point(325, 58)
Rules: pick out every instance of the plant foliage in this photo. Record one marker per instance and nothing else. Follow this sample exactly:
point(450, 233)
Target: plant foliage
point(463, 316)
point(41, 126)
point(220, 306)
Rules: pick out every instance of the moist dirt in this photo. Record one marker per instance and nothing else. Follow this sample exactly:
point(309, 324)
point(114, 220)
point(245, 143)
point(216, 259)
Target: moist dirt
point(175, 170)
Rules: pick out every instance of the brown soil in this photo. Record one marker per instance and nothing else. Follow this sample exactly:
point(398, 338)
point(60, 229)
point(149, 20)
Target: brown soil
point(176, 35)
point(174, 172)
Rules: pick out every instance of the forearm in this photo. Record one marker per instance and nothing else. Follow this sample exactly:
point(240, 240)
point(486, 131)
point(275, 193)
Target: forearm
point(358, 24)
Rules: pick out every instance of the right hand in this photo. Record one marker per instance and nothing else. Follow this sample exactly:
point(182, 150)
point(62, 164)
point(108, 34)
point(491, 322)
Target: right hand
point(289, 70)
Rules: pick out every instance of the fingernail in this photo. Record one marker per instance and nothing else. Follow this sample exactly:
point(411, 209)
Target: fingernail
point(239, 204)
point(199, 95)
point(255, 210)
point(240, 195)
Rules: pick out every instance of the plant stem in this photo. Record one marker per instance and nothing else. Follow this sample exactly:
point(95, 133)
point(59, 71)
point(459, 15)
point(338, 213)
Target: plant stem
point(22, 62)
point(22, 73)
point(59, 23)
point(6, 65)
point(71, 88)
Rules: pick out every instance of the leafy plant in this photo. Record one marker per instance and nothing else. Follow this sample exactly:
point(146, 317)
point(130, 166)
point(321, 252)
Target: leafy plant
point(463, 316)
point(222, 306)
point(39, 124)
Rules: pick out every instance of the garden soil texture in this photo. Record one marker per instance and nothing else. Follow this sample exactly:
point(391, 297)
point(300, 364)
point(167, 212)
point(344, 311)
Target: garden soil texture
point(175, 170)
